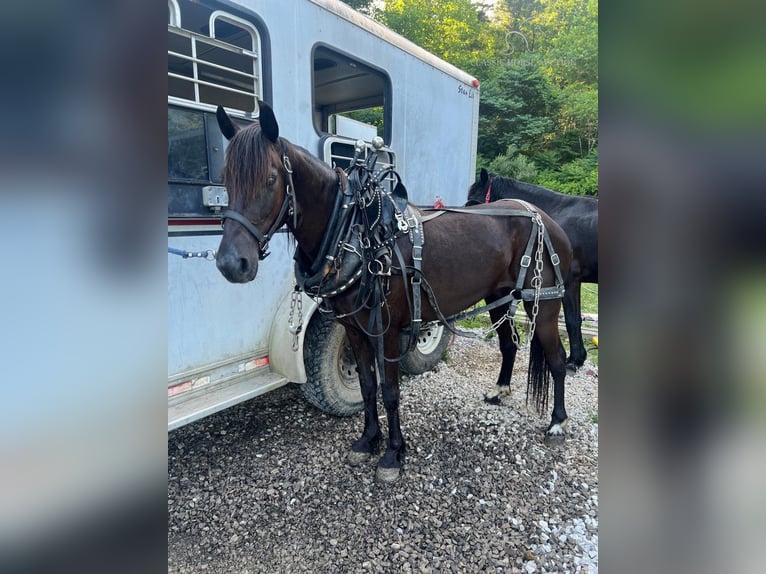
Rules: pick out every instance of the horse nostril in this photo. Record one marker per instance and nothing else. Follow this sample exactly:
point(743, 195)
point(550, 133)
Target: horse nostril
point(244, 266)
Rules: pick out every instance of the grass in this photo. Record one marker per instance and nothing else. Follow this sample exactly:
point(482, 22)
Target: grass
point(588, 304)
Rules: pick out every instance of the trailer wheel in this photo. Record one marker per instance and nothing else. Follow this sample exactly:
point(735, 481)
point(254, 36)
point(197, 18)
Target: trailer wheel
point(332, 381)
point(432, 342)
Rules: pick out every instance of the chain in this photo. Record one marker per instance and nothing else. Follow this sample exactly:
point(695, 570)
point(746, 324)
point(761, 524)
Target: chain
point(537, 280)
point(208, 254)
point(296, 301)
point(514, 334)
point(507, 316)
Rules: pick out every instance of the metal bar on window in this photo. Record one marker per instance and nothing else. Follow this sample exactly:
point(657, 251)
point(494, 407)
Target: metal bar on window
point(199, 82)
point(211, 64)
point(212, 42)
point(194, 67)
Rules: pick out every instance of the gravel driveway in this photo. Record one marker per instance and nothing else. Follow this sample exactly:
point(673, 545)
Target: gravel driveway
point(264, 486)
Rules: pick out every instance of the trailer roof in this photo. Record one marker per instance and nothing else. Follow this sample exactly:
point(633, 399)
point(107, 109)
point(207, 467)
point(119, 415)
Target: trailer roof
point(347, 13)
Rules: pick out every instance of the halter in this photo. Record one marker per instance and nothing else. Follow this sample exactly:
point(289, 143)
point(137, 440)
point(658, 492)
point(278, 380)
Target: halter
point(288, 208)
point(489, 190)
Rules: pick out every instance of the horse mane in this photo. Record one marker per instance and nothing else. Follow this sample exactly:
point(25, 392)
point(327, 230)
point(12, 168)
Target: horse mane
point(509, 187)
point(246, 149)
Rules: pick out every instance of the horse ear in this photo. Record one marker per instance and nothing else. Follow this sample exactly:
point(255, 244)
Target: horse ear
point(228, 127)
point(269, 125)
point(484, 176)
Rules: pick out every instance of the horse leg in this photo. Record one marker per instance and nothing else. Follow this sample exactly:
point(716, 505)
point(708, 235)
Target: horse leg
point(547, 335)
point(369, 443)
point(508, 351)
point(390, 464)
point(547, 357)
point(573, 319)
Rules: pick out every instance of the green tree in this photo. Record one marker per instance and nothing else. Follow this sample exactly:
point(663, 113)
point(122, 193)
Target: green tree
point(455, 30)
point(516, 109)
point(570, 29)
point(363, 6)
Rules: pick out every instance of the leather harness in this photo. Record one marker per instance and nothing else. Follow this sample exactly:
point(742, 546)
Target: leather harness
point(360, 242)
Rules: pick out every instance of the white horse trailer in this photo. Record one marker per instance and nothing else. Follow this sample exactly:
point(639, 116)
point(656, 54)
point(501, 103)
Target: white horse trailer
point(332, 76)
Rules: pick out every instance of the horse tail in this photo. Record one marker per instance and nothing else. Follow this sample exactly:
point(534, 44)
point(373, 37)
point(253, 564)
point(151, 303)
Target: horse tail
point(538, 376)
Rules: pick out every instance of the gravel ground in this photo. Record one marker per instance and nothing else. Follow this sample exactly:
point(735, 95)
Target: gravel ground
point(264, 486)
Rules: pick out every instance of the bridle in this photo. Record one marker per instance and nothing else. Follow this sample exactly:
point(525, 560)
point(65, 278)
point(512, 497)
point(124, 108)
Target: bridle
point(287, 209)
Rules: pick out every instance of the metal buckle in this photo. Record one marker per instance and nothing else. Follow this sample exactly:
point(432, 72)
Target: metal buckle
point(526, 260)
point(401, 223)
point(555, 258)
point(417, 253)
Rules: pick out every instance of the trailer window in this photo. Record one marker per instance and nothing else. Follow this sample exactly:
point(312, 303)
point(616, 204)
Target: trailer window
point(348, 89)
point(213, 57)
point(187, 150)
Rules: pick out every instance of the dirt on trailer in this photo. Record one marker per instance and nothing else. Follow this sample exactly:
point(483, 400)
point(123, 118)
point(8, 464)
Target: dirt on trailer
point(265, 486)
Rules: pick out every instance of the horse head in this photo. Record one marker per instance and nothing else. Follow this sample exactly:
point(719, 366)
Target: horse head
point(477, 193)
point(256, 174)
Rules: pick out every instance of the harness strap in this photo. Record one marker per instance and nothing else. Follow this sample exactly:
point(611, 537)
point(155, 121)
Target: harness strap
point(431, 216)
point(246, 223)
point(418, 240)
point(334, 228)
point(484, 211)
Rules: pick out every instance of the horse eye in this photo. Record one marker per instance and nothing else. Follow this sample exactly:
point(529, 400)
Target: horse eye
point(272, 179)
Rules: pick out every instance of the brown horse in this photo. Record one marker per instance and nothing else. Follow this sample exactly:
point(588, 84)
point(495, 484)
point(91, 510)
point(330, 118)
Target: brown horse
point(272, 182)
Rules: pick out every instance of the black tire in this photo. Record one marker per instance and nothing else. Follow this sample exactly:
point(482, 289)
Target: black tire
point(332, 381)
point(432, 342)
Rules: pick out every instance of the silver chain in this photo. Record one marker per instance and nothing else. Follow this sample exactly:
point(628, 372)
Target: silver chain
point(296, 301)
point(537, 280)
point(514, 334)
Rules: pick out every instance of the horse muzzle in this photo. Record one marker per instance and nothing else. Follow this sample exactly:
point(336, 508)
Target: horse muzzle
point(235, 267)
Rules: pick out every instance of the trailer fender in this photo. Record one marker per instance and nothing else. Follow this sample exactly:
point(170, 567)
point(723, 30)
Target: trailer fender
point(282, 358)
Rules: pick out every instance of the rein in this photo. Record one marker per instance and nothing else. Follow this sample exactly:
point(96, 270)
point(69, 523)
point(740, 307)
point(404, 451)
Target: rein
point(288, 209)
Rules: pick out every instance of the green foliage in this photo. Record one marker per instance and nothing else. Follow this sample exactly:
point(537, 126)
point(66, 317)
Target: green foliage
point(578, 177)
point(454, 30)
point(363, 6)
point(372, 116)
point(538, 64)
point(515, 110)
point(513, 164)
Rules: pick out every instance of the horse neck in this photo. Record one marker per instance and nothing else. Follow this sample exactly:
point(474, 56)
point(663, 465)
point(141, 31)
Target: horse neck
point(538, 196)
point(316, 186)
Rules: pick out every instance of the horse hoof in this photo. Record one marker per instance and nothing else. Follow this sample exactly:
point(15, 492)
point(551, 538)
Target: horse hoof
point(554, 439)
point(355, 458)
point(571, 367)
point(388, 475)
point(495, 400)
point(555, 436)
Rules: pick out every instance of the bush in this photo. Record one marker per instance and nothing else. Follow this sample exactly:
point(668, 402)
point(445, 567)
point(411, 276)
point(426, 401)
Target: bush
point(578, 177)
point(513, 165)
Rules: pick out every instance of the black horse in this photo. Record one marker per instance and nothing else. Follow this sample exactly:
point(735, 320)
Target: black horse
point(578, 217)
point(272, 182)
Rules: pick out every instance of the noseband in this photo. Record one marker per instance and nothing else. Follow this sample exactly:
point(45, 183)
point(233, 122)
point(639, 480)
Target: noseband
point(288, 208)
